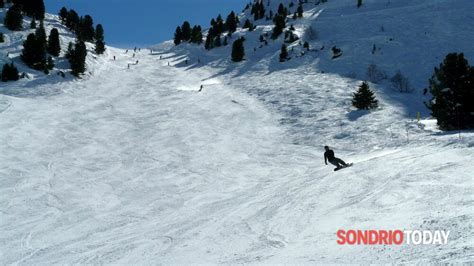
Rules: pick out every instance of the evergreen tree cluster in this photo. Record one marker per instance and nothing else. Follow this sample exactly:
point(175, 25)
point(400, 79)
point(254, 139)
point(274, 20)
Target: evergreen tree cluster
point(34, 49)
point(364, 98)
point(258, 10)
point(83, 27)
point(186, 34)
point(218, 27)
point(9, 73)
point(32, 8)
point(452, 87)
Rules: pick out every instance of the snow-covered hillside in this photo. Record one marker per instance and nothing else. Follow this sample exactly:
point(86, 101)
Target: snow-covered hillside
point(11, 49)
point(135, 166)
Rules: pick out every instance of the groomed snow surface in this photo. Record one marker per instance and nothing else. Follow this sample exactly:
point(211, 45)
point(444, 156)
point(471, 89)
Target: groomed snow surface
point(135, 166)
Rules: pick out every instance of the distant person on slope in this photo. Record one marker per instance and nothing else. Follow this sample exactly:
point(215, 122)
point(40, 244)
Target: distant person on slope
point(329, 156)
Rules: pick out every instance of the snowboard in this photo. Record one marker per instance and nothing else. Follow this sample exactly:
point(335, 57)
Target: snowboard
point(348, 165)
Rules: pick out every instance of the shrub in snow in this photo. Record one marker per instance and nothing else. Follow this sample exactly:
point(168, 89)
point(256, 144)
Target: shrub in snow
point(364, 98)
point(400, 82)
point(336, 52)
point(452, 87)
point(374, 74)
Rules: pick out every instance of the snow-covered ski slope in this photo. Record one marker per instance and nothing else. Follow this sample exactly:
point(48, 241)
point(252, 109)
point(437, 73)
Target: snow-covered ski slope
point(134, 166)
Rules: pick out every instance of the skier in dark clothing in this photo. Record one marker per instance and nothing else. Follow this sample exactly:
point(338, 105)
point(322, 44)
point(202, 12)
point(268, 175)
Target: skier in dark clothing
point(329, 156)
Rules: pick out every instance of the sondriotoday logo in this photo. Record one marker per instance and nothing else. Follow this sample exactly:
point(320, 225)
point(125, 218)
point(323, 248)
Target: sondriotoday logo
point(392, 237)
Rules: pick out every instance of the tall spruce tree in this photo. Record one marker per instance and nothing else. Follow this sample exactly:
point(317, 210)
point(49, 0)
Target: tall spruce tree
point(452, 87)
point(186, 31)
point(78, 58)
point(33, 23)
point(86, 30)
point(2, 38)
point(196, 35)
point(238, 50)
point(63, 14)
point(209, 44)
point(280, 24)
point(99, 39)
point(54, 46)
point(364, 98)
point(14, 19)
point(2, 3)
point(359, 3)
point(72, 21)
point(231, 22)
point(178, 36)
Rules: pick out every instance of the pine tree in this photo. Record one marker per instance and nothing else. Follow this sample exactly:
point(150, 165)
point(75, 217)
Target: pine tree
point(2, 38)
point(359, 3)
point(63, 14)
point(72, 21)
point(32, 8)
point(178, 36)
point(300, 11)
point(34, 53)
point(248, 24)
point(364, 98)
point(452, 87)
point(238, 50)
point(41, 35)
point(54, 46)
point(2, 4)
point(50, 63)
point(78, 58)
point(70, 51)
point(306, 46)
point(14, 18)
point(280, 24)
point(86, 30)
point(283, 53)
point(186, 31)
point(217, 41)
point(9, 73)
point(33, 24)
point(231, 22)
point(282, 10)
point(196, 34)
point(99, 39)
point(208, 44)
